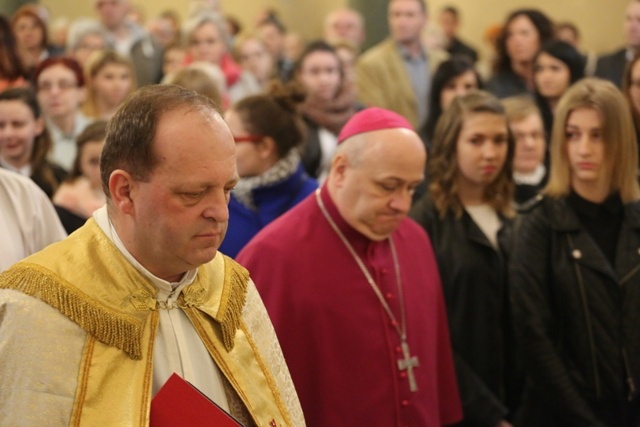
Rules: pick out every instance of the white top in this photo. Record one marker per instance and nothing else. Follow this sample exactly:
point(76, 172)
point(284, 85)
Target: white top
point(63, 151)
point(328, 146)
point(487, 219)
point(28, 221)
point(24, 170)
point(177, 348)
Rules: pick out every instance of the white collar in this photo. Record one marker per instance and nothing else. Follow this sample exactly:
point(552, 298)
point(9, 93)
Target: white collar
point(24, 170)
point(533, 178)
point(166, 288)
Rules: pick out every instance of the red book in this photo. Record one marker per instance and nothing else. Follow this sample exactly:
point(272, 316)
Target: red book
point(178, 403)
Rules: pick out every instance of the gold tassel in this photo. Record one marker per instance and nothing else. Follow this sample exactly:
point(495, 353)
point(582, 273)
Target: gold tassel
point(110, 327)
point(234, 296)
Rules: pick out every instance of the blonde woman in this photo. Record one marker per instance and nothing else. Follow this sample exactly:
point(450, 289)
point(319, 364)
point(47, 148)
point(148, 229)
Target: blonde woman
point(576, 269)
point(110, 78)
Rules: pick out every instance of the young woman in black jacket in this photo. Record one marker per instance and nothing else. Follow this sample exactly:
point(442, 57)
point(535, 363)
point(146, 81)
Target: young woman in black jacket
point(467, 214)
point(576, 270)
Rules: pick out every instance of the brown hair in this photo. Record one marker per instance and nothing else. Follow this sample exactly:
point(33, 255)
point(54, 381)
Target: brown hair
point(132, 130)
point(443, 167)
point(30, 11)
point(10, 65)
point(275, 115)
point(95, 132)
point(617, 133)
point(65, 61)
point(194, 77)
point(520, 107)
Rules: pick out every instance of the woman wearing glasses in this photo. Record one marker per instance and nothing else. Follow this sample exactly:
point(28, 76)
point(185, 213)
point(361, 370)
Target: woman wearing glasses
point(576, 269)
point(60, 90)
point(268, 131)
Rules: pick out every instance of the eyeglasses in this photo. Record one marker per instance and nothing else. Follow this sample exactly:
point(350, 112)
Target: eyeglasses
point(63, 85)
point(248, 138)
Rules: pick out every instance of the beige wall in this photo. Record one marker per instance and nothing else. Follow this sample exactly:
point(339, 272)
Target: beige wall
point(599, 20)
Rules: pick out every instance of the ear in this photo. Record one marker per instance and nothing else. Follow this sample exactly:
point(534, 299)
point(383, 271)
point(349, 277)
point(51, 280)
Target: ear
point(339, 169)
point(121, 187)
point(40, 125)
point(267, 148)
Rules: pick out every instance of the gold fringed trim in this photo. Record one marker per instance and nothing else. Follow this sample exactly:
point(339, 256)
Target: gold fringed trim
point(234, 296)
point(112, 328)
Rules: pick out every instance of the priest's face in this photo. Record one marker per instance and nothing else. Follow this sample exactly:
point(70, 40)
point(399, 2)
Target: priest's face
point(180, 214)
point(374, 179)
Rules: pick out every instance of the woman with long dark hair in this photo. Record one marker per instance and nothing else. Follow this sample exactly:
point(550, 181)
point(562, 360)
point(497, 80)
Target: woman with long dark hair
point(556, 66)
point(11, 72)
point(524, 31)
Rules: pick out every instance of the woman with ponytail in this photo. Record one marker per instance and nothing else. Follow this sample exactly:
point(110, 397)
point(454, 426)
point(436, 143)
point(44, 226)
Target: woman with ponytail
point(268, 131)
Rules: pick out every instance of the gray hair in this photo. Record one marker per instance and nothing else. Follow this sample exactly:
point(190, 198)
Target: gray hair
point(82, 27)
point(206, 17)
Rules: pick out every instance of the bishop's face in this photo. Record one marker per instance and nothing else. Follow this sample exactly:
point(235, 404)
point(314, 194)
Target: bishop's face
point(374, 190)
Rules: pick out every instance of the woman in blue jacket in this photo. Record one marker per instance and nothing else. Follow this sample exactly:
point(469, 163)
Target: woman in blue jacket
point(268, 131)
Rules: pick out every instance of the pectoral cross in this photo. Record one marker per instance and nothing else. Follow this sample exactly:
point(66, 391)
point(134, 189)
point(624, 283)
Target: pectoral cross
point(408, 363)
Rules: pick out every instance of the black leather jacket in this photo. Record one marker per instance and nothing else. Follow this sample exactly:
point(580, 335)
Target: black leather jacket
point(474, 280)
point(577, 317)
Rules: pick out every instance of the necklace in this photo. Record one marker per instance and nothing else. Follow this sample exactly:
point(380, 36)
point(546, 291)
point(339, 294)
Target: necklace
point(408, 362)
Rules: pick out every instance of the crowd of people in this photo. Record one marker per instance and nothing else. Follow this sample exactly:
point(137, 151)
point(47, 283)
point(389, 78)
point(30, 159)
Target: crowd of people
point(312, 233)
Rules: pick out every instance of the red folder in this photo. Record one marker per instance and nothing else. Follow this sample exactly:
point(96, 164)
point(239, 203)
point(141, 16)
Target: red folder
point(178, 403)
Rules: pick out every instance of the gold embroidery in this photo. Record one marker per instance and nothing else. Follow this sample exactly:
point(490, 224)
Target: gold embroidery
point(268, 376)
point(234, 296)
point(106, 325)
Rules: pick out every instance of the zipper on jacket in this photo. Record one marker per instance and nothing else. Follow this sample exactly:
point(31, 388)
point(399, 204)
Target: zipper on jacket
point(631, 384)
point(587, 316)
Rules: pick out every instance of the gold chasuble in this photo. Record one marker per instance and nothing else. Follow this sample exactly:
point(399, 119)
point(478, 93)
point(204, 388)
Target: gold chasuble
point(98, 367)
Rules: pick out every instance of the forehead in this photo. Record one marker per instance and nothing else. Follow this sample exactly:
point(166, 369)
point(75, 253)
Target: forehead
point(392, 152)
point(320, 57)
point(56, 71)
point(584, 116)
point(633, 10)
point(484, 122)
point(27, 19)
point(521, 22)
point(14, 108)
point(405, 6)
point(252, 45)
point(113, 67)
point(192, 136)
point(344, 17)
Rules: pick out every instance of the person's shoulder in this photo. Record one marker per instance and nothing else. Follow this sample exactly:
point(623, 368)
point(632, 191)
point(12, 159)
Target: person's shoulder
point(376, 52)
point(411, 229)
point(285, 230)
point(611, 56)
point(531, 204)
point(19, 186)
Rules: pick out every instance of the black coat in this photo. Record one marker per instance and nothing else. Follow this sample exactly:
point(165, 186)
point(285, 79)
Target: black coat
point(611, 67)
point(577, 317)
point(474, 281)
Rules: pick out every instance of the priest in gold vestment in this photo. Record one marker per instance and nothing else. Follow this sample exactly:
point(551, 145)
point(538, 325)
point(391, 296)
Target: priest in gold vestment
point(93, 326)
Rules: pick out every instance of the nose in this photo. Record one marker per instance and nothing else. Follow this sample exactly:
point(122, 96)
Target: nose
point(401, 201)
point(216, 206)
point(489, 150)
point(584, 145)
